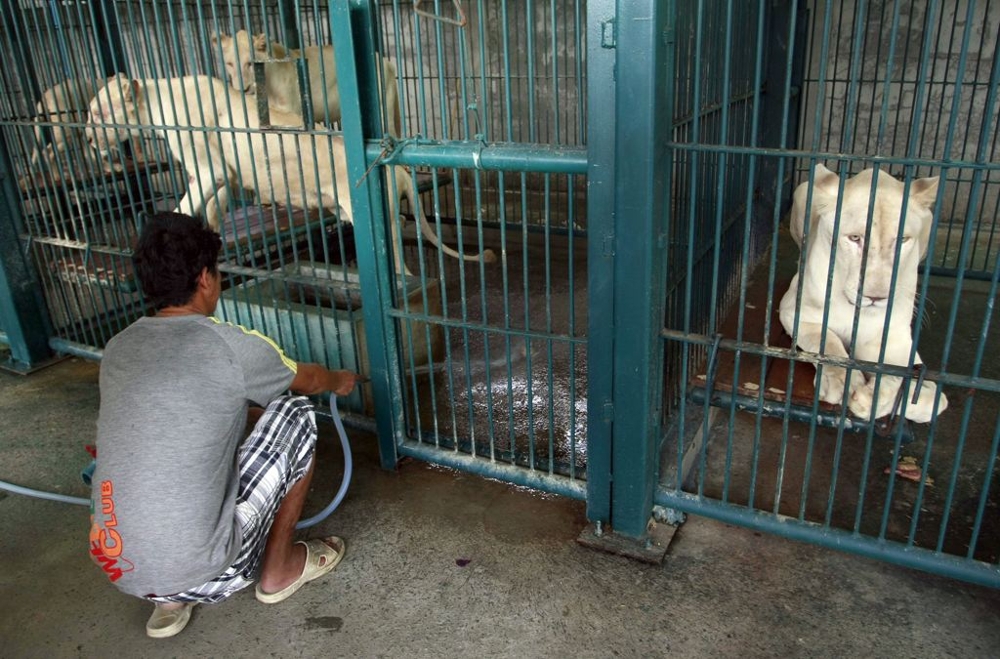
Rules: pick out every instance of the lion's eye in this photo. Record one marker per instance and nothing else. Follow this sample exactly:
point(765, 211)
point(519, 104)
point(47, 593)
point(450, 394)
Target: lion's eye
point(855, 237)
point(906, 239)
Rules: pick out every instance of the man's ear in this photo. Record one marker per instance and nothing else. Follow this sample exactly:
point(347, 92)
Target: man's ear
point(205, 278)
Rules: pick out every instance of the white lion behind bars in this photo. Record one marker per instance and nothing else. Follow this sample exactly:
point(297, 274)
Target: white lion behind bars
point(297, 168)
point(282, 82)
point(848, 251)
point(64, 105)
point(120, 107)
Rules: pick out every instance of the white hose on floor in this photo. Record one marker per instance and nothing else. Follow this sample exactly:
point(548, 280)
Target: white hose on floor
point(304, 523)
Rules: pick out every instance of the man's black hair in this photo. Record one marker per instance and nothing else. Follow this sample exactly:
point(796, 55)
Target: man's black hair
point(170, 254)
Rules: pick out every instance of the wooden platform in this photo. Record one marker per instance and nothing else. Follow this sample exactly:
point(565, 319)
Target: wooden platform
point(36, 183)
point(253, 230)
point(249, 232)
point(726, 385)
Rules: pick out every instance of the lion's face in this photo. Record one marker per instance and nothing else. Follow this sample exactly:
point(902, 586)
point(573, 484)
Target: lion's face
point(112, 106)
point(238, 54)
point(865, 260)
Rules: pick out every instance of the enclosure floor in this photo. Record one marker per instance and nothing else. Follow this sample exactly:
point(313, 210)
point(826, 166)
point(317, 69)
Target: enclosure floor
point(443, 564)
point(487, 380)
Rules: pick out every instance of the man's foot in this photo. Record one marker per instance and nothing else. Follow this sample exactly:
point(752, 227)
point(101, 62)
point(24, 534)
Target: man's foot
point(322, 555)
point(169, 619)
point(273, 580)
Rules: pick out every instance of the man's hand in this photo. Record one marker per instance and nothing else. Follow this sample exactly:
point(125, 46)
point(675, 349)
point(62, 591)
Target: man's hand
point(344, 382)
point(315, 379)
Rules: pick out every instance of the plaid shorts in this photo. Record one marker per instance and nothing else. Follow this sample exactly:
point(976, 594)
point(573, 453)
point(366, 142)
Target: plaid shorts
point(275, 456)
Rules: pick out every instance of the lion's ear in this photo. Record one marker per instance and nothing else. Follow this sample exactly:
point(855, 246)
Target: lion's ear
point(825, 180)
point(260, 42)
point(924, 191)
point(132, 90)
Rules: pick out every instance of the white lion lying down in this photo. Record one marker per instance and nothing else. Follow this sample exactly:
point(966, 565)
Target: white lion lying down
point(282, 81)
point(876, 291)
point(64, 103)
point(307, 171)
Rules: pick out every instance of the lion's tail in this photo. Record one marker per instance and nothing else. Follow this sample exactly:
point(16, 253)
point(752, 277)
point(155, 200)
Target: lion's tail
point(486, 256)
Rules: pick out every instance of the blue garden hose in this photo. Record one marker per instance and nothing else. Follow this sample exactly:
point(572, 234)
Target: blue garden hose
point(348, 470)
point(304, 523)
point(39, 494)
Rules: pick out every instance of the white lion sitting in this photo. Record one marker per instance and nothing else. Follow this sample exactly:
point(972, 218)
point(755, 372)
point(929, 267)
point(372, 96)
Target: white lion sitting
point(281, 77)
point(847, 248)
point(305, 170)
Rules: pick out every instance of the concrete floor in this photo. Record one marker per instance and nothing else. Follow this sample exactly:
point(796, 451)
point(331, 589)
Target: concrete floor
point(405, 589)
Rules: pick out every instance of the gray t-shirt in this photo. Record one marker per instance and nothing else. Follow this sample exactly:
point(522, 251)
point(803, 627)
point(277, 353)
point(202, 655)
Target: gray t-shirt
point(174, 394)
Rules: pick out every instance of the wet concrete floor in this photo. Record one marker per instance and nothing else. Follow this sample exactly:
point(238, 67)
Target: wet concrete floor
point(444, 564)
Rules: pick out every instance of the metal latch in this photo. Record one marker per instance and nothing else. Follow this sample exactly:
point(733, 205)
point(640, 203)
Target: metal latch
point(608, 34)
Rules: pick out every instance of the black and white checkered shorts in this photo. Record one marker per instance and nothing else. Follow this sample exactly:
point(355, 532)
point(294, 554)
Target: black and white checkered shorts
point(275, 456)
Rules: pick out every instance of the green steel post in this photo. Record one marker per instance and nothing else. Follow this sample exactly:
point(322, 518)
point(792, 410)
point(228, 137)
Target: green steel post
point(351, 24)
point(600, 253)
point(640, 175)
point(22, 59)
point(23, 317)
point(109, 38)
point(289, 12)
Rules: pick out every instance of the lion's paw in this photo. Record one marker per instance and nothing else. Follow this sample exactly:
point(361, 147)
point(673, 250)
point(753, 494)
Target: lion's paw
point(862, 398)
point(831, 389)
point(860, 402)
point(831, 385)
point(923, 410)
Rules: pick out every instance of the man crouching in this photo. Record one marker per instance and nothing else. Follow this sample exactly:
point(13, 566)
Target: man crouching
point(184, 509)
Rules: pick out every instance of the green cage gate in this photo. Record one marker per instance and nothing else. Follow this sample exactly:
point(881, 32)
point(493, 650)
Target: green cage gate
point(908, 89)
point(630, 166)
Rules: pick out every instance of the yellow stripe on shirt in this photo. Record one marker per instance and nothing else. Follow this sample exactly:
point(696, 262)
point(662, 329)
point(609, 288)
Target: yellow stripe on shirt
point(290, 363)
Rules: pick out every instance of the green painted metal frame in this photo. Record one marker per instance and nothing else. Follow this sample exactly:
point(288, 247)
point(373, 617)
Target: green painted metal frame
point(831, 538)
point(628, 162)
point(350, 24)
point(644, 33)
point(601, 113)
point(23, 316)
point(627, 51)
point(786, 73)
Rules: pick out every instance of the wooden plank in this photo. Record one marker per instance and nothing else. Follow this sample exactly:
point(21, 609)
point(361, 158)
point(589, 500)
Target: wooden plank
point(250, 224)
point(802, 380)
point(776, 378)
point(36, 183)
point(755, 314)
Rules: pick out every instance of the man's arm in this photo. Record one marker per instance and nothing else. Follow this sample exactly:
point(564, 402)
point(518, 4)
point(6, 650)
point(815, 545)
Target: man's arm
point(315, 379)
